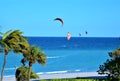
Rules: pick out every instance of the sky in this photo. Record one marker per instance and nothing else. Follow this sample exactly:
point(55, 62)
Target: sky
point(100, 18)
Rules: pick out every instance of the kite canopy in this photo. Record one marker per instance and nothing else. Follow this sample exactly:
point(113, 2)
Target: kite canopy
point(86, 32)
point(59, 19)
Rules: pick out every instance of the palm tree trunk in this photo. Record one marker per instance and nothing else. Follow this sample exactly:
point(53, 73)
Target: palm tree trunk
point(29, 73)
point(4, 64)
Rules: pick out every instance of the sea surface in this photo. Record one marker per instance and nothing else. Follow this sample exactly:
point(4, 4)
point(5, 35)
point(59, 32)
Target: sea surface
point(79, 54)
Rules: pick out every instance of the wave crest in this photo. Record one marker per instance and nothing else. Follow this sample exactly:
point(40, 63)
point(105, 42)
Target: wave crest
point(14, 68)
point(53, 72)
point(53, 57)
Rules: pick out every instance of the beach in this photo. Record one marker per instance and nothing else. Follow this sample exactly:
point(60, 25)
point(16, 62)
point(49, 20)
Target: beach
point(61, 76)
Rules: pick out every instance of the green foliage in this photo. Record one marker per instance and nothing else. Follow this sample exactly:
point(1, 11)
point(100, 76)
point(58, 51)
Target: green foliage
point(112, 66)
point(22, 74)
point(33, 54)
point(12, 41)
point(74, 80)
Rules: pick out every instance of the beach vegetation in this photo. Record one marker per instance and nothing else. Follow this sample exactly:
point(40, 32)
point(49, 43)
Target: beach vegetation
point(82, 79)
point(22, 74)
point(112, 66)
point(12, 41)
point(32, 55)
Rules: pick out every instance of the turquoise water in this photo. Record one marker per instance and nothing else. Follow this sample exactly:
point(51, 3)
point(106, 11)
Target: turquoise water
point(76, 55)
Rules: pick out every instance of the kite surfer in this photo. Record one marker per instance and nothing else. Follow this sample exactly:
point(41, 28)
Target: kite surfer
point(68, 36)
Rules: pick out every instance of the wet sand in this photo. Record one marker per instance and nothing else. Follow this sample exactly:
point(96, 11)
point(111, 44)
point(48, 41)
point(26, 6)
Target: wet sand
point(61, 76)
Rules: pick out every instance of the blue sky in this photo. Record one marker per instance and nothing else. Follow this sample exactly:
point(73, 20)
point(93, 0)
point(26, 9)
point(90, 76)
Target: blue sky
point(101, 18)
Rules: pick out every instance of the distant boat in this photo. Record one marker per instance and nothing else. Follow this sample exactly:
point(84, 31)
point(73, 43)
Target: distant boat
point(68, 36)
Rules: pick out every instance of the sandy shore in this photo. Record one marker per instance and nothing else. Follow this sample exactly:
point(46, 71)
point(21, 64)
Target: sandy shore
point(10, 78)
point(62, 75)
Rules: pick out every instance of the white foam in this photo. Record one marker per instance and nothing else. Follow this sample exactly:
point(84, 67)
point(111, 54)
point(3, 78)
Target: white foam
point(41, 73)
point(53, 57)
point(14, 68)
point(77, 70)
point(56, 72)
point(9, 75)
point(53, 72)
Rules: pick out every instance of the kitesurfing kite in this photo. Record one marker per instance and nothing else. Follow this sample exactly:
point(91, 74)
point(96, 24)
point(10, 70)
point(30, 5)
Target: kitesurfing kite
point(79, 34)
point(86, 32)
point(68, 36)
point(59, 19)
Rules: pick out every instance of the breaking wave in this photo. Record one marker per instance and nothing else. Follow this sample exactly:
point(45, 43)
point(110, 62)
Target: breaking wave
point(53, 57)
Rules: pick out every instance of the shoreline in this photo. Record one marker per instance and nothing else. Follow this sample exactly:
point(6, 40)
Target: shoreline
point(60, 76)
point(71, 75)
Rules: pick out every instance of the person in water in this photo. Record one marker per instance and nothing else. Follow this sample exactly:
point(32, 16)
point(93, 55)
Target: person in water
point(68, 36)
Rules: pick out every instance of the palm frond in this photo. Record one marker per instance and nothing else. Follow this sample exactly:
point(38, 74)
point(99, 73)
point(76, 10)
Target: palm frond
point(6, 34)
point(4, 45)
point(16, 32)
point(41, 58)
point(35, 55)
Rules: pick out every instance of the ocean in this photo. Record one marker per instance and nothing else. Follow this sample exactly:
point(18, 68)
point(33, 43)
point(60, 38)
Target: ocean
point(79, 54)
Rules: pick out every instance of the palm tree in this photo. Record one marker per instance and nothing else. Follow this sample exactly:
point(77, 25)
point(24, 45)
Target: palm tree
point(33, 55)
point(12, 41)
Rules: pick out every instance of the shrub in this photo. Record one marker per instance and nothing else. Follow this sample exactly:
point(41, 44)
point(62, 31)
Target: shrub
point(112, 66)
point(22, 74)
